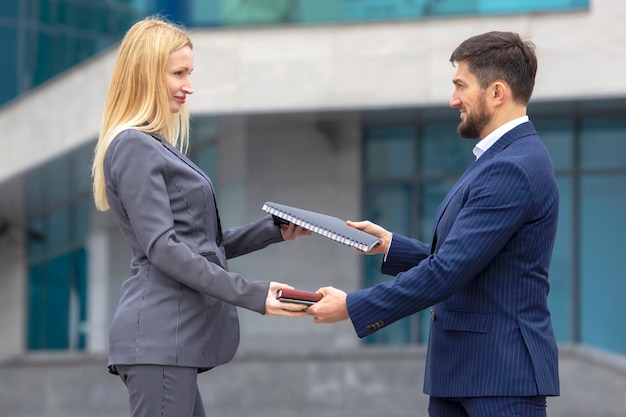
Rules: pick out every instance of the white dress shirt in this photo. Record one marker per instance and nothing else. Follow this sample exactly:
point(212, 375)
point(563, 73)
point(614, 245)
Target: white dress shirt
point(482, 146)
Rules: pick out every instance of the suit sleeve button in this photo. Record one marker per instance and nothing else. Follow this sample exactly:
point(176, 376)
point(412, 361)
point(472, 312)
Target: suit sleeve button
point(433, 316)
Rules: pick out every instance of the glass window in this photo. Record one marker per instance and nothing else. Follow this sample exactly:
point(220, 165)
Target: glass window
point(54, 35)
point(203, 146)
point(603, 143)
point(8, 46)
point(246, 12)
point(363, 10)
point(443, 152)
point(602, 243)
point(558, 136)
point(243, 12)
point(389, 206)
point(561, 268)
point(57, 307)
point(498, 6)
point(58, 201)
point(9, 9)
point(432, 193)
point(390, 152)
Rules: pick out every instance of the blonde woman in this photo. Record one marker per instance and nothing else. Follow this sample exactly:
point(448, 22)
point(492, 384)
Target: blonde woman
point(177, 313)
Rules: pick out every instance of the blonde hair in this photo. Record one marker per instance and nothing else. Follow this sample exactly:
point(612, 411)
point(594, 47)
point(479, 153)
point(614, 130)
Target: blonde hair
point(137, 97)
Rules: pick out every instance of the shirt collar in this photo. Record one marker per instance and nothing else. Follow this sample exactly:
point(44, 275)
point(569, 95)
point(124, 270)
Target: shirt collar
point(486, 143)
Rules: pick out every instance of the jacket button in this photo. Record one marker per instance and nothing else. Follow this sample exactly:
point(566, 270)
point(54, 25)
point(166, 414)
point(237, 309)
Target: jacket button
point(368, 328)
point(433, 316)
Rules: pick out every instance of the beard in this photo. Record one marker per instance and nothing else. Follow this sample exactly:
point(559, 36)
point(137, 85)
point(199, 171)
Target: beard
point(474, 124)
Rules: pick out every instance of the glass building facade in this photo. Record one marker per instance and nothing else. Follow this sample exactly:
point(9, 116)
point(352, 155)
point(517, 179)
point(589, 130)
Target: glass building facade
point(411, 158)
point(42, 38)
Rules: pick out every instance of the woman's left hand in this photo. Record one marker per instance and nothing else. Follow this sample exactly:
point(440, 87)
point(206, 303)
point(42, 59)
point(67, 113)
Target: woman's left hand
point(274, 307)
point(291, 231)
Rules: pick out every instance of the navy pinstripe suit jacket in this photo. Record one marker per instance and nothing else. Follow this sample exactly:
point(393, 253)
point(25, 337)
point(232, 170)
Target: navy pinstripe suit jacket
point(486, 276)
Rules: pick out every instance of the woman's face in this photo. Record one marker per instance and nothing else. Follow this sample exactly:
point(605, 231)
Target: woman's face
point(177, 77)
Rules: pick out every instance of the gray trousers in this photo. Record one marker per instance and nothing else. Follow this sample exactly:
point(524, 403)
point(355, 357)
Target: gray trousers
point(158, 390)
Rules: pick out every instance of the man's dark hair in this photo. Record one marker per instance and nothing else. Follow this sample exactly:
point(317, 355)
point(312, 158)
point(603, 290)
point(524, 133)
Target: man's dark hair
point(500, 56)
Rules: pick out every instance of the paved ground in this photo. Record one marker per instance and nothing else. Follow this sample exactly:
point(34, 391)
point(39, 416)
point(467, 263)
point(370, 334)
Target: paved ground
point(593, 384)
point(363, 383)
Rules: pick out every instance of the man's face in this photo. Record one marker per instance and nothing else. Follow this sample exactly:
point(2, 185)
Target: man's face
point(469, 98)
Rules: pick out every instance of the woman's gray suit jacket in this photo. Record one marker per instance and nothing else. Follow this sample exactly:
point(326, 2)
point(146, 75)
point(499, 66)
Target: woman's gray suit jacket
point(178, 307)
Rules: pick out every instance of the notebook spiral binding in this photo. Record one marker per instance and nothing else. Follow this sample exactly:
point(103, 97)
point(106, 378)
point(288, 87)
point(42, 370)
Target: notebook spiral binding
point(316, 228)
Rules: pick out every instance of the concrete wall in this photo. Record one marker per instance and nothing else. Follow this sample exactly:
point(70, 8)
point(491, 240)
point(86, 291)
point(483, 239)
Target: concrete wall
point(13, 282)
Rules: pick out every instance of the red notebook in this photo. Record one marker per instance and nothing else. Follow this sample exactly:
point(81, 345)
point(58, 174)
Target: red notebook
point(298, 296)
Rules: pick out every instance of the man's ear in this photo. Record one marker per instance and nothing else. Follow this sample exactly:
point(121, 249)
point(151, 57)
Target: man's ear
point(498, 92)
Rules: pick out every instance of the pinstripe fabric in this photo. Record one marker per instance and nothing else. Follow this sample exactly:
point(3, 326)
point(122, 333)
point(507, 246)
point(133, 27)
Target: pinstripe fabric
point(162, 391)
point(488, 407)
point(486, 276)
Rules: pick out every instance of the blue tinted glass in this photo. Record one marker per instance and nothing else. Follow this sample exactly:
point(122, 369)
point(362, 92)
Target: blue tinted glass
point(58, 180)
point(560, 278)
point(432, 194)
point(207, 159)
point(80, 169)
point(8, 46)
point(81, 214)
point(45, 58)
point(203, 130)
point(602, 243)
point(36, 190)
point(390, 152)
point(8, 9)
point(499, 6)
point(320, 10)
point(58, 275)
point(242, 12)
point(246, 12)
point(204, 13)
point(443, 151)
point(558, 136)
point(390, 207)
point(364, 10)
point(451, 7)
point(58, 227)
point(80, 330)
point(603, 143)
point(36, 233)
point(36, 308)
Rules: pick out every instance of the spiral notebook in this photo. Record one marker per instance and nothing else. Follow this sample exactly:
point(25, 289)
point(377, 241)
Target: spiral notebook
point(325, 225)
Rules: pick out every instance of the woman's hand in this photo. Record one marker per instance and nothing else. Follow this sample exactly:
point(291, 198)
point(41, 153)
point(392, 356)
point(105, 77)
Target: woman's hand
point(273, 307)
point(292, 232)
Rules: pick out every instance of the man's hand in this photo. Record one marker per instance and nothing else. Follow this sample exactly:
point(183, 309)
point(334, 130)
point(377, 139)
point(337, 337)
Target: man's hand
point(273, 307)
point(291, 231)
point(374, 229)
point(331, 308)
